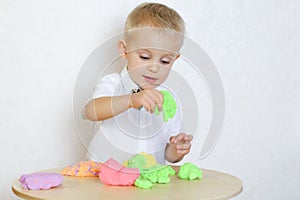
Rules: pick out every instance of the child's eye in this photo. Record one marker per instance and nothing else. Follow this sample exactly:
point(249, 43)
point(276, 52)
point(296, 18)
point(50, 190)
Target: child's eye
point(165, 62)
point(144, 57)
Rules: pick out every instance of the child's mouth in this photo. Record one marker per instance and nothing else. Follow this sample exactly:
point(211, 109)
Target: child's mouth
point(150, 79)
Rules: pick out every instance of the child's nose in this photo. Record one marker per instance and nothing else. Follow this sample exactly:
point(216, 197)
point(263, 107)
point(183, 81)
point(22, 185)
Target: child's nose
point(153, 67)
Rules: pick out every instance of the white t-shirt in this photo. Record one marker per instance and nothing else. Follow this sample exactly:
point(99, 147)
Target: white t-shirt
point(133, 131)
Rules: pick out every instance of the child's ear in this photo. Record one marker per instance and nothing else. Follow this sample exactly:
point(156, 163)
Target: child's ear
point(178, 55)
point(122, 48)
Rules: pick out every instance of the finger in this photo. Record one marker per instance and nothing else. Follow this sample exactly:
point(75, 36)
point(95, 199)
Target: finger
point(147, 106)
point(183, 152)
point(179, 137)
point(151, 100)
point(183, 146)
point(159, 95)
point(159, 107)
point(148, 103)
point(161, 102)
point(153, 107)
point(179, 156)
point(172, 139)
point(188, 138)
point(158, 98)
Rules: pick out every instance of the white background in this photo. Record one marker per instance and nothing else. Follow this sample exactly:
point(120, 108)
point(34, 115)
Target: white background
point(254, 44)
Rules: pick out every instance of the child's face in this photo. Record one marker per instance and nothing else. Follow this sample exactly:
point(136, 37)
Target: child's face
point(149, 67)
point(150, 57)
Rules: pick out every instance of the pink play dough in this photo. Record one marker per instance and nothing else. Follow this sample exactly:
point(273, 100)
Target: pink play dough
point(113, 173)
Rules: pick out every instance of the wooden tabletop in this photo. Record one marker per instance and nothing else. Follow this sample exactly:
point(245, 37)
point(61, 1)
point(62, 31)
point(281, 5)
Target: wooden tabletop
point(214, 185)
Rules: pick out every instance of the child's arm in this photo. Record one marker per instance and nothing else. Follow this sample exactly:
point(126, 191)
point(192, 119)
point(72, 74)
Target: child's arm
point(178, 147)
point(103, 108)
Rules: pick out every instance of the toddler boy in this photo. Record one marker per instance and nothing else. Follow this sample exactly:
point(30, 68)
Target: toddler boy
point(152, 39)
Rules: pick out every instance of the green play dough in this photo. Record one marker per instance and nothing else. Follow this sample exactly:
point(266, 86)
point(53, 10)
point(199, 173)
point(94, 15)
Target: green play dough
point(189, 171)
point(169, 106)
point(158, 174)
point(149, 175)
point(143, 183)
point(137, 161)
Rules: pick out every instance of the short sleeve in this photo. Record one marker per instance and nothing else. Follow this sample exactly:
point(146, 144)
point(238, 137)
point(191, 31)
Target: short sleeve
point(105, 87)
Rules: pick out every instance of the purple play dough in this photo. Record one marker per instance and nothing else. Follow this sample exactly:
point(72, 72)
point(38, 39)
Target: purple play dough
point(40, 181)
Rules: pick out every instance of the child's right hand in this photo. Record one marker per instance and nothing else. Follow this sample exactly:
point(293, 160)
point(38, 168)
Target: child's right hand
point(147, 98)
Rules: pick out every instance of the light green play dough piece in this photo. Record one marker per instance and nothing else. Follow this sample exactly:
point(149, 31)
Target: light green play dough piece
point(137, 161)
point(163, 175)
point(148, 175)
point(158, 174)
point(169, 106)
point(189, 171)
point(143, 183)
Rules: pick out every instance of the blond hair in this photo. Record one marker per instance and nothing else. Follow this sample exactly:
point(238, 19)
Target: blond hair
point(154, 15)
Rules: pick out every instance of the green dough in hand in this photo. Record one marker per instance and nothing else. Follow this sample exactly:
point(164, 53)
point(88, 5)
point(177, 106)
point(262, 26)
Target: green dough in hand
point(189, 171)
point(169, 106)
point(143, 183)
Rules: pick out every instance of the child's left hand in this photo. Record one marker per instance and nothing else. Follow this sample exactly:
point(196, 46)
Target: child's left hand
point(180, 145)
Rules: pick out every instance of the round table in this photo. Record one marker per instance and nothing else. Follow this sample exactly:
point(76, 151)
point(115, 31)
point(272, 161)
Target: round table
point(213, 185)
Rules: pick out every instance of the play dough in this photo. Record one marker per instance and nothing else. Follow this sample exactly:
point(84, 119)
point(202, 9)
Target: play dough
point(158, 174)
point(150, 172)
point(113, 173)
point(141, 170)
point(40, 181)
point(169, 106)
point(189, 171)
point(141, 161)
point(83, 168)
point(143, 183)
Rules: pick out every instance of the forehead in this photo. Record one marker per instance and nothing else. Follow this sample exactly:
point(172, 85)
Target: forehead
point(154, 39)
